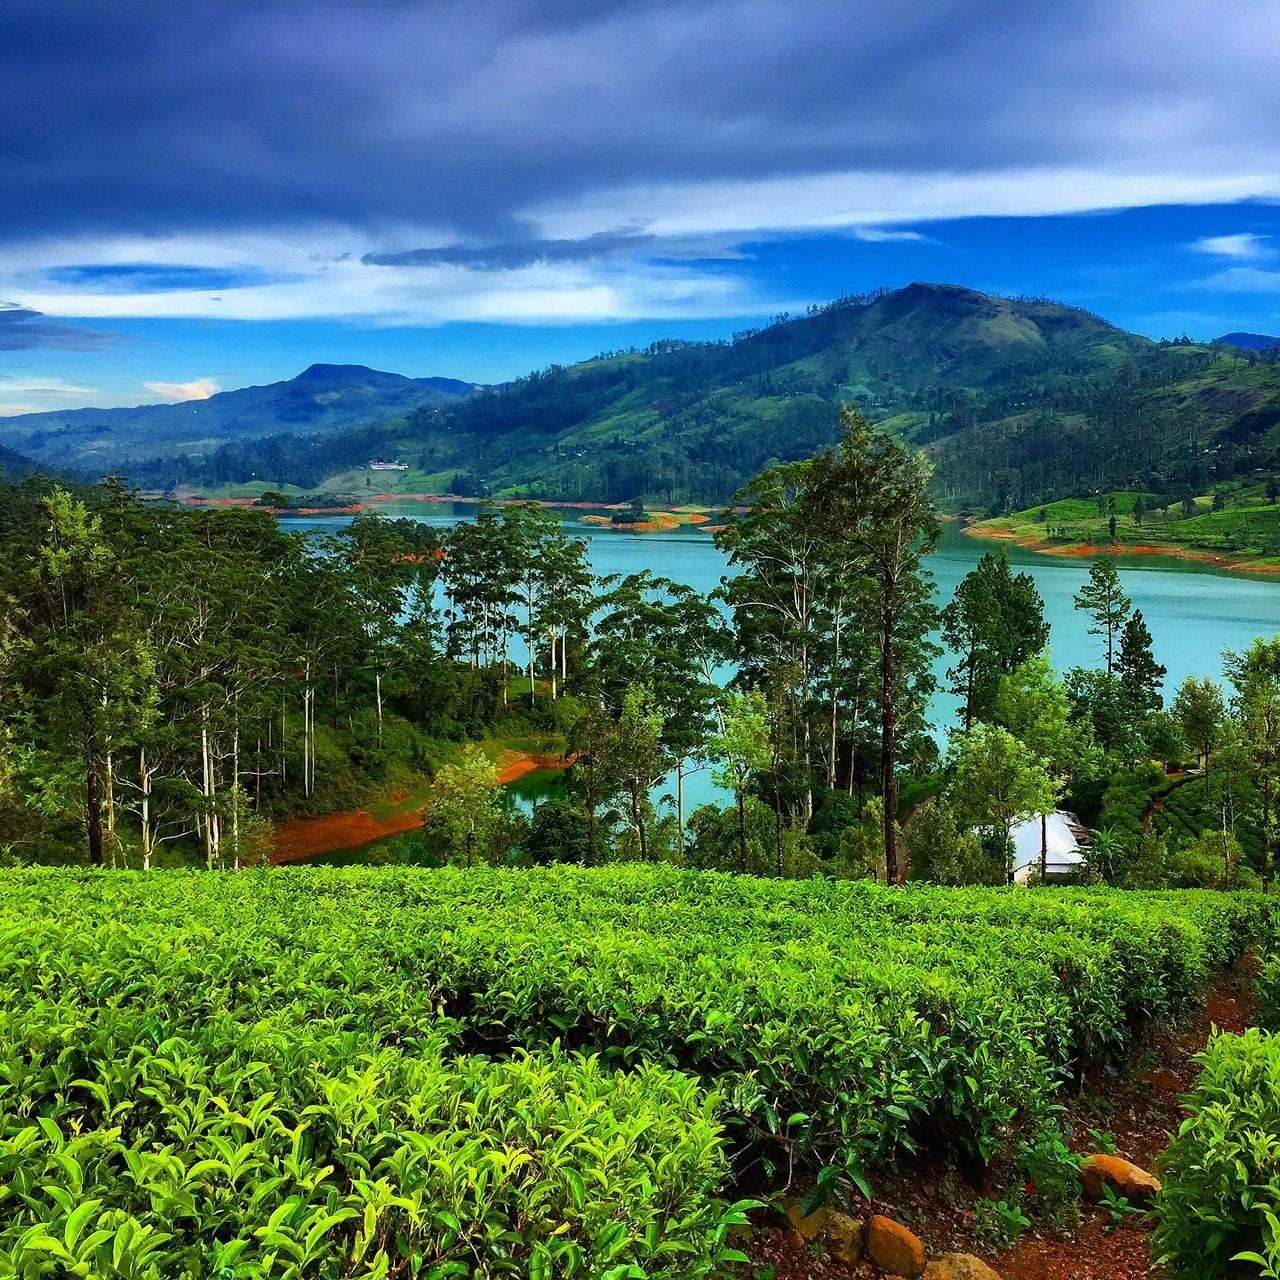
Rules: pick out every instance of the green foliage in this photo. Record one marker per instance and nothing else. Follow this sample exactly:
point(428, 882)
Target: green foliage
point(1267, 994)
point(1219, 1209)
point(837, 1021)
point(1130, 796)
point(997, 1224)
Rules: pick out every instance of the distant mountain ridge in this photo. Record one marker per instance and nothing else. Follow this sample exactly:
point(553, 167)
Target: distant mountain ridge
point(1015, 401)
point(1250, 341)
point(324, 398)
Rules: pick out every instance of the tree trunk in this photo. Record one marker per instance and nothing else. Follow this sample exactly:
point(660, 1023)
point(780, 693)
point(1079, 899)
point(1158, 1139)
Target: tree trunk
point(109, 795)
point(742, 829)
point(888, 732)
point(1044, 847)
point(680, 809)
point(144, 811)
point(92, 799)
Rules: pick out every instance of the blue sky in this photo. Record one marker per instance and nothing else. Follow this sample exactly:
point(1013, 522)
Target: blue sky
point(478, 189)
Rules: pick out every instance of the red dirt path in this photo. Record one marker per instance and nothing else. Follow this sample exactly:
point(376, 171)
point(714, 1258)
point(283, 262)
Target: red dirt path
point(299, 839)
point(1141, 1107)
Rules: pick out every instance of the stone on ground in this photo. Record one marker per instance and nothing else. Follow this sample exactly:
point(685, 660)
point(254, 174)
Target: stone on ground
point(959, 1266)
point(1124, 1178)
point(895, 1249)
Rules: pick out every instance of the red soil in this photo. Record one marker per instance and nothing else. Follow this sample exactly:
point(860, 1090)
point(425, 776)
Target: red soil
point(299, 839)
point(1139, 1106)
point(1043, 548)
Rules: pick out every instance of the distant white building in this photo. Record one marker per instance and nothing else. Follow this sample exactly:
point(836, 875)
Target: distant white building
point(1064, 839)
point(388, 466)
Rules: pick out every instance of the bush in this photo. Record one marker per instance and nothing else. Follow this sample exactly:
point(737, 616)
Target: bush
point(1267, 994)
point(1221, 1196)
point(842, 1021)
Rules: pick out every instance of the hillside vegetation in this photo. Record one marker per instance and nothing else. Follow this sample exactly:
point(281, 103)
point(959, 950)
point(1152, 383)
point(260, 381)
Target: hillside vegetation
point(324, 398)
point(299, 1073)
point(1016, 401)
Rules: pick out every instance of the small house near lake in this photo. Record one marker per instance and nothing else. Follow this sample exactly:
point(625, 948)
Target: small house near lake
point(1064, 836)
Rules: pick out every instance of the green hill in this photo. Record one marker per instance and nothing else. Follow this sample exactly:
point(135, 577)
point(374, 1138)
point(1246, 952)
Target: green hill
point(1016, 401)
point(323, 398)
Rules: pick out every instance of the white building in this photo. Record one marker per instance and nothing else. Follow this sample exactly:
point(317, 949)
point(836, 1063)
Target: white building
point(1064, 839)
point(388, 466)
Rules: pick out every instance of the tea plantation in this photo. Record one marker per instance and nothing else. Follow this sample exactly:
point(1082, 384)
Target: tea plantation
point(373, 1072)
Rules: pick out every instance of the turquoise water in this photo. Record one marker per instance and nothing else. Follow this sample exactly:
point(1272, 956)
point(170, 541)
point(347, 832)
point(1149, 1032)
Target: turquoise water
point(1194, 611)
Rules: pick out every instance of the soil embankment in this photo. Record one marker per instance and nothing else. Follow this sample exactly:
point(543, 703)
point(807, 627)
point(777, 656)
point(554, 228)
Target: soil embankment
point(300, 839)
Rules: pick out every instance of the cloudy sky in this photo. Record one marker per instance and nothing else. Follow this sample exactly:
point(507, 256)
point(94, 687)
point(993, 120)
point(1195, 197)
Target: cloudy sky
point(208, 194)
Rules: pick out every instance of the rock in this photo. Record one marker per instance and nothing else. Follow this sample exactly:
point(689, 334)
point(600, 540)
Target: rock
point(894, 1249)
point(808, 1228)
point(959, 1266)
point(842, 1236)
point(838, 1233)
point(1134, 1184)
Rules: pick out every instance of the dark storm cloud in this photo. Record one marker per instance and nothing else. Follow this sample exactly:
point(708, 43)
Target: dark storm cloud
point(21, 329)
point(509, 256)
point(133, 117)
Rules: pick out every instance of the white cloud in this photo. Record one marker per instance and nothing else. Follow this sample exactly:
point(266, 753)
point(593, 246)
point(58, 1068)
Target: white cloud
point(870, 199)
point(882, 235)
point(11, 410)
point(1243, 245)
point(1244, 280)
point(42, 387)
point(197, 389)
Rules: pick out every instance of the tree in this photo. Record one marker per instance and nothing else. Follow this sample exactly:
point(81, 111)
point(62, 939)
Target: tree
point(83, 662)
point(871, 498)
point(1255, 674)
point(994, 623)
point(1111, 527)
point(996, 782)
point(1105, 602)
point(940, 852)
point(640, 759)
point(1139, 509)
point(1198, 707)
point(740, 750)
point(464, 810)
point(1033, 705)
point(1141, 676)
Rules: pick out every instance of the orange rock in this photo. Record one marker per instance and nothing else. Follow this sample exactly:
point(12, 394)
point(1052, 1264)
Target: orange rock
point(893, 1248)
point(959, 1266)
point(1125, 1179)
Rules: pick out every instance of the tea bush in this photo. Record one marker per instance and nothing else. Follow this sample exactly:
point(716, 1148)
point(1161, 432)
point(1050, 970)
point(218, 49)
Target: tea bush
point(1221, 1195)
point(1267, 994)
point(834, 1022)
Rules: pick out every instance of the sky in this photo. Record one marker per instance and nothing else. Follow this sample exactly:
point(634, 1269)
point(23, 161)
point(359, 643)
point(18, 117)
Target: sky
point(206, 195)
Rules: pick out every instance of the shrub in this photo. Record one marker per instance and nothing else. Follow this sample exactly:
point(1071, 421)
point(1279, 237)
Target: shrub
point(1267, 994)
point(1221, 1195)
point(841, 1021)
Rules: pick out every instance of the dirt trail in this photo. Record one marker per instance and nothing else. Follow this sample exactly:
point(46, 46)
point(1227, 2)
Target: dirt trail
point(1141, 1107)
point(300, 839)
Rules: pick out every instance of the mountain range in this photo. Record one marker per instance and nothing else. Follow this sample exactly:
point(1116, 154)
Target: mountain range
point(322, 399)
point(1250, 341)
point(1016, 401)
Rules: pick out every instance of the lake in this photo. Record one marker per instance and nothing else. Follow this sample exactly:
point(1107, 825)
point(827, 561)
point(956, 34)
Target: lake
point(1194, 611)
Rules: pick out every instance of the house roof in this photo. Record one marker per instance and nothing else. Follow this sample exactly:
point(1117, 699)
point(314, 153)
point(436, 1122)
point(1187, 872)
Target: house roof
point(1064, 834)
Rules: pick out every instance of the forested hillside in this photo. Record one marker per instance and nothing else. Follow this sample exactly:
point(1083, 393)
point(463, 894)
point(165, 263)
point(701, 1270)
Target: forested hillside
point(1016, 401)
point(323, 398)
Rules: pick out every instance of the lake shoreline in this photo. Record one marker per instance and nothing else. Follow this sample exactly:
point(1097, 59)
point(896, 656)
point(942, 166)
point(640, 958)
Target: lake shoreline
point(298, 840)
point(1084, 550)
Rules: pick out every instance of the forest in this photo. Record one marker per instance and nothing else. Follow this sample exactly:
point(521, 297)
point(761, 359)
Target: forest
point(668, 1028)
point(176, 680)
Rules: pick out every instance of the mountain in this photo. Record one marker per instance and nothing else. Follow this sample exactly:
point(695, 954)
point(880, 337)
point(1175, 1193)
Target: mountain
point(322, 399)
point(1249, 341)
point(14, 466)
point(1016, 401)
